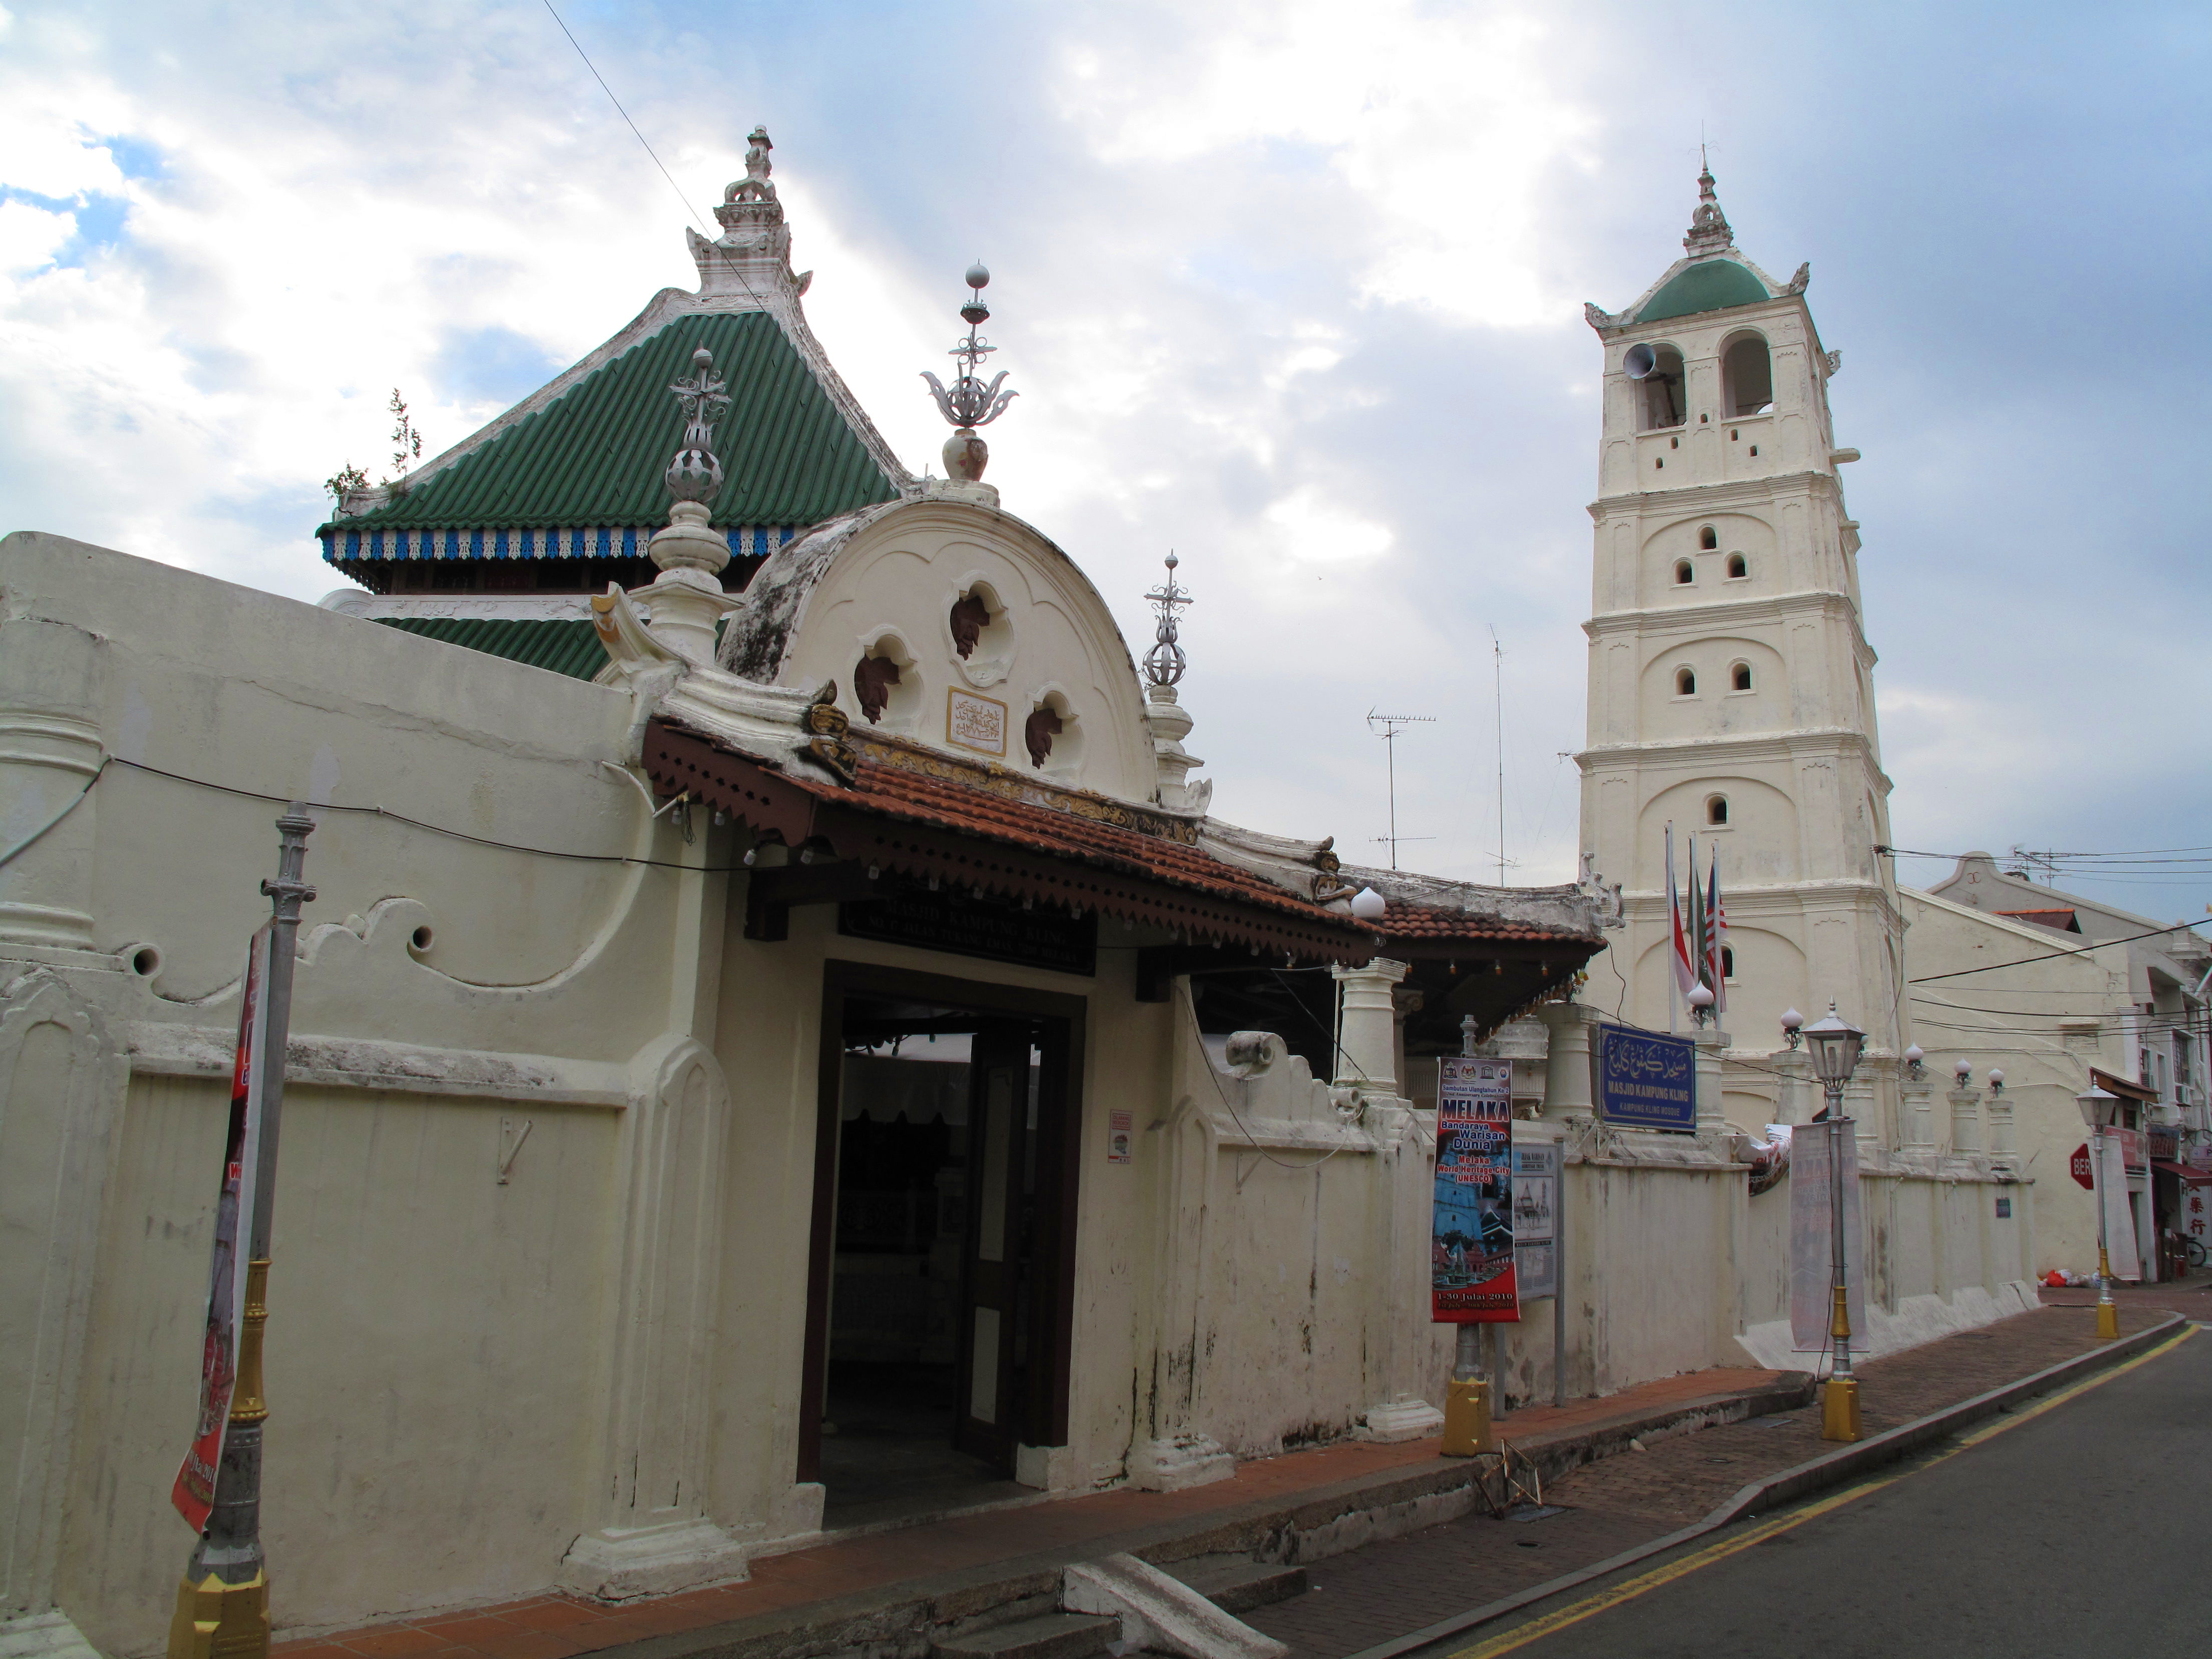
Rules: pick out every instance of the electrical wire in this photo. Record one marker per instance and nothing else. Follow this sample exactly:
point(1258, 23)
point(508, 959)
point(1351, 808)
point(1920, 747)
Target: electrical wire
point(78, 800)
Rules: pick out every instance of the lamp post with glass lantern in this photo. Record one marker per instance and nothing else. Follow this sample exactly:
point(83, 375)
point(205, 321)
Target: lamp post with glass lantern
point(1834, 1045)
point(2099, 1107)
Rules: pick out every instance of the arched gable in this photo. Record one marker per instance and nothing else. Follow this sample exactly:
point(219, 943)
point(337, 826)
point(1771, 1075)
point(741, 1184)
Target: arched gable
point(886, 584)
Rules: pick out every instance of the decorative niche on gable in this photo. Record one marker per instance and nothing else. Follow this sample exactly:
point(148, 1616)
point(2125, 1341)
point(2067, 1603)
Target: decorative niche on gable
point(1052, 734)
point(887, 682)
point(979, 633)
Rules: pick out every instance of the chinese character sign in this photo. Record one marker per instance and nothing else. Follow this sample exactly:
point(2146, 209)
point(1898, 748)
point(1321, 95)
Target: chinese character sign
point(1472, 1273)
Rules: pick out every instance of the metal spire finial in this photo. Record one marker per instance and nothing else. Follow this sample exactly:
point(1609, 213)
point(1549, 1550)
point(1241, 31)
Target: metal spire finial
point(696, 475)
point(1708, 226)
point(968, 403)
point(1165, 662)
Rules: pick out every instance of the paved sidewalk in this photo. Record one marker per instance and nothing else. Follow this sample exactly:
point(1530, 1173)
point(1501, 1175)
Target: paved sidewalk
point(1370, 1596)
point(845, 1572)
point(2191, 1298)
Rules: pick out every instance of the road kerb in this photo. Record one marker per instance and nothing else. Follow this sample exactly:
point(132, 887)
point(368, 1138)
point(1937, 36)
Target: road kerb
point(1830, 1469)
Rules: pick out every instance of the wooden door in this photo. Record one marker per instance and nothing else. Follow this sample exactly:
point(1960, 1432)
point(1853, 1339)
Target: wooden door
point(987, 1417)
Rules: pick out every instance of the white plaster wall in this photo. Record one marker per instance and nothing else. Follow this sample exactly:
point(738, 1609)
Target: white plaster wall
point(432, 1354)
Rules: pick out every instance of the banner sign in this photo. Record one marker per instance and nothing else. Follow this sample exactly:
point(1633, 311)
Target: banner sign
point(1535, 1212)
point(194, 1491)
point(1812, 1239)
point(1645, 1081)
point(1472, 1273)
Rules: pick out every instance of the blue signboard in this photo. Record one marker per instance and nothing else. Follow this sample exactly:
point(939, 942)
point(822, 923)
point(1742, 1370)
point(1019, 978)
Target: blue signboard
point(1647, 1082)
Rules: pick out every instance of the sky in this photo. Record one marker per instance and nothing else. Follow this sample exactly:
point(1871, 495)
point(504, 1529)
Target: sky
point(1294, 289)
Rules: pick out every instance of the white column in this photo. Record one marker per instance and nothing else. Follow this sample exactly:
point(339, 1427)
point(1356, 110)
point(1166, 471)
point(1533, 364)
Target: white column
point(1966, 1124)
point(1712, 1120)
point(2004, 1150)
point(1567, 1062)
point(1919, 1116)
point(50, 752)
point(1367, 1040)
point(1794, 1093)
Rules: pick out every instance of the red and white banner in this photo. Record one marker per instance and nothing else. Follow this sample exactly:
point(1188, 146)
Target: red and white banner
point(1473, 1275)
point(194, 1491)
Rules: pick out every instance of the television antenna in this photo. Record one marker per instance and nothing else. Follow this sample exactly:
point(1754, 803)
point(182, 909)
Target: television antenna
point(1498, 688)
point(1386, 727)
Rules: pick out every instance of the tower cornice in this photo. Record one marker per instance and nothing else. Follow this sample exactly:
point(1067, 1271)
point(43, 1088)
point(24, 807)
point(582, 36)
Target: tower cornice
point(1701, 755)
point(1673, 619)
point(1733, 492)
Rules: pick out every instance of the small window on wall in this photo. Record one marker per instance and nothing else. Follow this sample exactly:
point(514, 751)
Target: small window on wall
point(1683, 574)
point(1686, 683)
point(1728, 962)
point(1737, 568)
point(1716, 810)
point(1709, 538)
point(1740, 677)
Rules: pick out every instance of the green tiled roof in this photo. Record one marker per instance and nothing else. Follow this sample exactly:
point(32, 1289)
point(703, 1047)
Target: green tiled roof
point(595, 454)
point(564, 645)
point(1714, 285)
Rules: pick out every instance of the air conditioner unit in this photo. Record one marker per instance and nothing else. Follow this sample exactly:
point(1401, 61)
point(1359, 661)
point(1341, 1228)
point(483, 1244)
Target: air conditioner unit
point(2185, 1095)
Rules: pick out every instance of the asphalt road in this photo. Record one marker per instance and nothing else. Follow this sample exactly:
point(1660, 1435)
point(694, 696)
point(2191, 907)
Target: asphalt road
point(2084, 1530)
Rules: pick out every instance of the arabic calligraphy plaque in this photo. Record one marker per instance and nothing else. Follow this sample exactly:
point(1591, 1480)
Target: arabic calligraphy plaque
point(1645, 1081)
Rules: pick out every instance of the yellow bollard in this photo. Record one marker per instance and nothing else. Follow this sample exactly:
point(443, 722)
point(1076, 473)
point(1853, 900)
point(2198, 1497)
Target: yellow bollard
point(1467, 1419)
point(215, 1621)
point(1839, 1409)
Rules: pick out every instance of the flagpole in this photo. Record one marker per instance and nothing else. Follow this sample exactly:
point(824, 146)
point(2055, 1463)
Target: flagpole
point(1674, 928)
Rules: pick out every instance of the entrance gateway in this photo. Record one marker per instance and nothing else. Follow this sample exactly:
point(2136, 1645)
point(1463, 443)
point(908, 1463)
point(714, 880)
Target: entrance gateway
point(941, 1267)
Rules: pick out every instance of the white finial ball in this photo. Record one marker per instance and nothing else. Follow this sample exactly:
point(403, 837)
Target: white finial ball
point(1964, 1069)
point(703, 358)
point(1368, 904)
point(1997, 1077)
point(1915, 1054)
point(979, 275)
point(1700, 997)
point(1172, 561)
point(1791, 1019)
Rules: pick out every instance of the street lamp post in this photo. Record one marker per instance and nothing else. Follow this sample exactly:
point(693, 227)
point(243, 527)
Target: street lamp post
point(2099, 1108)
point(1834, 1045)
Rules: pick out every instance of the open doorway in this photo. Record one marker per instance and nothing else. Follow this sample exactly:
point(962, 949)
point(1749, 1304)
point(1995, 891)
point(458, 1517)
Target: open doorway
point(937, 1334)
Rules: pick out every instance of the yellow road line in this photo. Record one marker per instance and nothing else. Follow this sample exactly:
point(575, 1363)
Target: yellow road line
point(1536, 1629)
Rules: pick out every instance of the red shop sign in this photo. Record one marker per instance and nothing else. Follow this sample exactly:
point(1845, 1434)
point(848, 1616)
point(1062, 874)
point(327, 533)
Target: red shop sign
point(2079, 1164)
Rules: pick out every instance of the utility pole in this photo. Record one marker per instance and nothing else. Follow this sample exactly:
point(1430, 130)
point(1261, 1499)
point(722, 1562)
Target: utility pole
point(223, 1604)
point(1387, 727)
point(1497, 690)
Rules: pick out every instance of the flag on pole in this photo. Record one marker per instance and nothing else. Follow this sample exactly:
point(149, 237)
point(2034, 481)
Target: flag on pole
point(1679, 943)
point(1716, 933)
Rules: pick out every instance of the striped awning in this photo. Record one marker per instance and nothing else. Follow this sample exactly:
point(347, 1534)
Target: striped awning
point(598, 542)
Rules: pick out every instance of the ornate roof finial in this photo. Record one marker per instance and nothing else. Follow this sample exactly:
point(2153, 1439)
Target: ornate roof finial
point(1165, 662)
point(968, 403)
point(752, 256)
point(1708, 226)
point(696, 475)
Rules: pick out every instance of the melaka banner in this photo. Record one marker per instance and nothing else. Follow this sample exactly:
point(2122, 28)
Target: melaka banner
point(1472, 1278)
point(194, 1491)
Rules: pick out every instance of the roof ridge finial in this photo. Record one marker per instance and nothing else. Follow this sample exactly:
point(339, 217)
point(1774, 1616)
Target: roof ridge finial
point(1165, 663)
point(968, 403)
point(752, 256)
point(1708, 226)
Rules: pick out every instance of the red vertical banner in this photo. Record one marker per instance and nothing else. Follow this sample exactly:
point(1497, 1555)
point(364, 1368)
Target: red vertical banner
point(1473, 1278)
point(194, 1491)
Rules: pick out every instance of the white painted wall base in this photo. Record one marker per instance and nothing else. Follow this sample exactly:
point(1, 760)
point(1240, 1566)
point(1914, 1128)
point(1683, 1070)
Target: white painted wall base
point(614, 1565)
point(1177, 1462)
point(1918, 1319)
point(1403, 1419)
point(1049, 1468)
point(44, 1636)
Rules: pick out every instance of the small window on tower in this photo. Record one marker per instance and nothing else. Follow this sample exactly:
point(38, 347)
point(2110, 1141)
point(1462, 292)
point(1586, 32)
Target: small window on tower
point(1727, 962)
point(1686, 683)
point(1709, 538)
point(1716, 810)
point(1736, 566)
point(1683, 573)
point(1740, 677)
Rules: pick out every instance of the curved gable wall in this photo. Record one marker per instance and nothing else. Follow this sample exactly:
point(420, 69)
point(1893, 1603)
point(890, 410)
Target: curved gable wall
point(897, 575)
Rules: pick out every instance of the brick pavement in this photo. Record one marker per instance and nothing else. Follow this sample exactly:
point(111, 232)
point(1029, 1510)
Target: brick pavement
point(1386, 1589)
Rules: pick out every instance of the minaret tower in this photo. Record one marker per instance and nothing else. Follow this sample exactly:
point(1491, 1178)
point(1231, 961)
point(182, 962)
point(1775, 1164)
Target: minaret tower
point(1730, 680)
